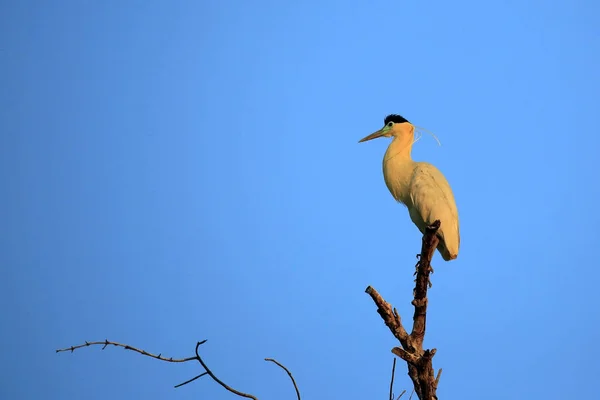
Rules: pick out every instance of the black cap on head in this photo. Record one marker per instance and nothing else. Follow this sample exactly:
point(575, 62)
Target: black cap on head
point(395, 118)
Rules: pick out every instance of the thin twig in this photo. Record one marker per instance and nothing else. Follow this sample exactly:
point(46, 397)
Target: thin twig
point(401, 394)
point(171, 359)
point(127, 347)
point(229, 388)
point(289, 374)
point(392, 381)
point(411, 394)
point(191, 380)
point(437, 379)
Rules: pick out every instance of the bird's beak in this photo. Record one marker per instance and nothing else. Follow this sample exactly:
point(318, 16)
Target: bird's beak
point(375, 135)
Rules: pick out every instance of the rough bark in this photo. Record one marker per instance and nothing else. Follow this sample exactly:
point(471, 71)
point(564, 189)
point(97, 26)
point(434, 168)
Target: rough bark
point(418, 360)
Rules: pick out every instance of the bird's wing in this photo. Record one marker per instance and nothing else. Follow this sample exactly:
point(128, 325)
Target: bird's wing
point(432, 199)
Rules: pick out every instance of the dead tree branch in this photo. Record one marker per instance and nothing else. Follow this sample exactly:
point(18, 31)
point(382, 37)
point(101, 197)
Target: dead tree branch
point(289, 374)
point(105, 344)
point(392, 383)
point(220, 382)
point(419, 363)
point(191, 380)
point(392, 380)
point(197, 357)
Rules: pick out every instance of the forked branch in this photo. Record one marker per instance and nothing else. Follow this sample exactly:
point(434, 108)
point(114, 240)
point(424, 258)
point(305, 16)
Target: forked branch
point(197, 357)
point(411, 350)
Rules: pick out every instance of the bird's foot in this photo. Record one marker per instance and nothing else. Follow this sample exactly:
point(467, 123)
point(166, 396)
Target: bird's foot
point(429, 280)
point(429, 270)
point(429, 285)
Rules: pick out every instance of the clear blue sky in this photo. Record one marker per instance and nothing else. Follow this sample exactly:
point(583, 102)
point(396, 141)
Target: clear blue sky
point(173, 171)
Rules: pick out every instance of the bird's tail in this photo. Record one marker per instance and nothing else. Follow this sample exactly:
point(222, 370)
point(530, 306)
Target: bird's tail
point(447, 255)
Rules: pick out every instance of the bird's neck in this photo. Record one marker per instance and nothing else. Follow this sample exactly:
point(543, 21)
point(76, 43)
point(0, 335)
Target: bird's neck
point(397, 168)
point(398, 150)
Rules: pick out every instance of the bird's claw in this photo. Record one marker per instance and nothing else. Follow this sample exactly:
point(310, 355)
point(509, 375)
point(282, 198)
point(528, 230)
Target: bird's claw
point(417, 268)
point(430, 270)
point(417, 264)
point(429, 280)
point(429, 284)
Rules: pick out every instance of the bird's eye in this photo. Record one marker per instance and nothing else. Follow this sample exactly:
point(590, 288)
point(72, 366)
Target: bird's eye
point(390, 124)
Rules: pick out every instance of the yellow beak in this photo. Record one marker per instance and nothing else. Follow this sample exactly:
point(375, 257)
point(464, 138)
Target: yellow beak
point(373, 135)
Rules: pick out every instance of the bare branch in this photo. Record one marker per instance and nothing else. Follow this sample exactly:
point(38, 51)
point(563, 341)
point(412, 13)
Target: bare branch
point(401, 394)
point(171, 359)
point(289, 374)
point(406, 356)
point(392, 381)
point(220, 382)
point(430, 242)
point(391, 318)
point(191, 380)
point(419, 361)
point(437, 379)
point(105, 343)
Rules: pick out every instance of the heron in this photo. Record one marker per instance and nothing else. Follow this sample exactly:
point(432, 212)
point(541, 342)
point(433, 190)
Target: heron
point(420, 186)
